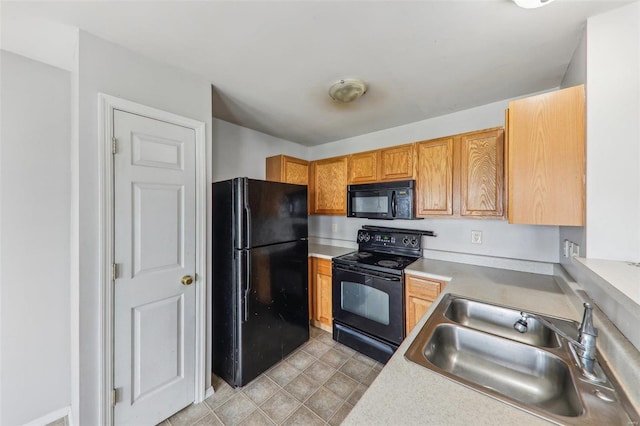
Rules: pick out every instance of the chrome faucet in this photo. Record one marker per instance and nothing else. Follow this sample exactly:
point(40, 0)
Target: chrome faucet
point(585, 346)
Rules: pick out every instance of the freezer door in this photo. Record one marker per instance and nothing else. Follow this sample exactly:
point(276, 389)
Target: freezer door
point(274, 308)
point(270, 212)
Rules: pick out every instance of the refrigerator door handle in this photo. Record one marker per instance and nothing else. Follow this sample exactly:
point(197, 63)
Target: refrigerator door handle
point(247, 283)
point(247, 217)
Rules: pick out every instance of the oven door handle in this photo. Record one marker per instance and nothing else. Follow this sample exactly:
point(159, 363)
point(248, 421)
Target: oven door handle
point(362, 272)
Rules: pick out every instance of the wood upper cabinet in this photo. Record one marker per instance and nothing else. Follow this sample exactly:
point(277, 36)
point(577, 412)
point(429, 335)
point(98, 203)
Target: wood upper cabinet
point(397, 163)
point(364, 166)
point(420, 293)
point(282, 168)
point(328, 186)
point(546, 159)
point(482, 173)
point(387, 164)
point(434, 185)
point(321, 293)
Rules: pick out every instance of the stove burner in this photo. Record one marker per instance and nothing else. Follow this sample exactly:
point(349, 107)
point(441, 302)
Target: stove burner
point(388, 263)
point(363, 255)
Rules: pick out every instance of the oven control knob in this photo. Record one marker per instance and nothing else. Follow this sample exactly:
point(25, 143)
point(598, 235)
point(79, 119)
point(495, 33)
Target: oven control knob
point(367, 237)
point(360, 237)
point(414, 241)
point(405, 241)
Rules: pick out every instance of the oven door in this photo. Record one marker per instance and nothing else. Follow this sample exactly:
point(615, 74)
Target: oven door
point(369, 302)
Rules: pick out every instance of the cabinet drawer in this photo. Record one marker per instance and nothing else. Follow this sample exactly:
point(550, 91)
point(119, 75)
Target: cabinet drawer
point(423, 287)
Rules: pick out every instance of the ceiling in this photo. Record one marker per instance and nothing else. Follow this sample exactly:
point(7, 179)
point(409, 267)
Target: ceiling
point(271, 62)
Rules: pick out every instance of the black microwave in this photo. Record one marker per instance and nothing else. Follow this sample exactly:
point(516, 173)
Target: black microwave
point(383, 200)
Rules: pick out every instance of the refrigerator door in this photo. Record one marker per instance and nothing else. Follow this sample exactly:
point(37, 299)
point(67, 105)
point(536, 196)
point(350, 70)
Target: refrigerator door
point(269, 212)
point(273, 308)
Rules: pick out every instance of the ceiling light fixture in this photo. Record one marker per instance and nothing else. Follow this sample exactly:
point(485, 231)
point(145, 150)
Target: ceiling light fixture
point(532, 4)
point(347, 90)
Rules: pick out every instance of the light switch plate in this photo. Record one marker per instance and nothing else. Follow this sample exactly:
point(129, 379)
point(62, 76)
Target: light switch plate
point(476, 237)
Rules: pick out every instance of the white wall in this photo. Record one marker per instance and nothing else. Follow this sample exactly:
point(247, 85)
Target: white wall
point(241, 152)
point(108, 68)
point(613, 135)
point(34, 243)
point(501, 240)
point(576, 74)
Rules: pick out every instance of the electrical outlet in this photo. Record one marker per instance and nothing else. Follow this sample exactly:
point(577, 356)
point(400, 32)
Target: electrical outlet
point(476, 237)
point(575, 251)
point(566, 252)
point(334, 228)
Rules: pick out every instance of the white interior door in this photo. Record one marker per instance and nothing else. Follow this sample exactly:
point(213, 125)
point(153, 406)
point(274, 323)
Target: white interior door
point(155, 247)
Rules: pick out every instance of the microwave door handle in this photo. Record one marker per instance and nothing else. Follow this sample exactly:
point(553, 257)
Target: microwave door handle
point(393, 204)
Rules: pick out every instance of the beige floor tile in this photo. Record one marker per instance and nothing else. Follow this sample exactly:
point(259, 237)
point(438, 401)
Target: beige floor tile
point(341, 414)
point(280, 406)
point(314, 332)
point(261, 389)
point(302, 387)
point(357, 394)
point(324, 403)
point(283, 373)
point(326, 338)
point(301, 360)
point(364, 359)
point(257, 418)
point(335, 358)
point(189, 415)
point(345, 349)
point(316, 348)
point(341, 384)
point(355, 369)
point(319, 371)
point(209, 420)
point(236, 409)
point(222, 393)
point(304, 417)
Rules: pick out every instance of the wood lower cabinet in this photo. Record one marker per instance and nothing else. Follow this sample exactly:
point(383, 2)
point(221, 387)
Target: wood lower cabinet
point(320, 290)
point(546, 159)
point(282, 168)
point(420, 293)
point(328, 186)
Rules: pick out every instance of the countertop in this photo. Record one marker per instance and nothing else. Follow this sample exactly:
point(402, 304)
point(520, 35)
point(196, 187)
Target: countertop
point(409, 394)
point(327, 252)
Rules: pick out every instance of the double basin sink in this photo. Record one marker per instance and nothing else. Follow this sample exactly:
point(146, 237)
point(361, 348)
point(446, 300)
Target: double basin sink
point(475, 344)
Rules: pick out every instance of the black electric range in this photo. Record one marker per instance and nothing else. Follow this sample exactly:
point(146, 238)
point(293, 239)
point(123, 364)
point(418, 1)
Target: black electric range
point(368, 290)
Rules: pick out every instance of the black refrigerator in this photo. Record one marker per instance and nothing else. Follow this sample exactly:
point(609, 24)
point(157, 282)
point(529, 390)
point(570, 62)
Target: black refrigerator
point(260, 276)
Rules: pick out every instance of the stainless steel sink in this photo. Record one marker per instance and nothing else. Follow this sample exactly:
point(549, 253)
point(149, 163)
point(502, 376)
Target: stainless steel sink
point(473, 343)
point(525, 373)
point(499, 320)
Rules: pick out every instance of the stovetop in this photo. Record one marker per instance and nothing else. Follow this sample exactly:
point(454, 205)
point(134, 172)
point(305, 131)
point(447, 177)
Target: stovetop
point(377, 260)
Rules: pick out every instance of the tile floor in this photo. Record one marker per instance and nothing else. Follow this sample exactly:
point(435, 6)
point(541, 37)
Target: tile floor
point(318, 384)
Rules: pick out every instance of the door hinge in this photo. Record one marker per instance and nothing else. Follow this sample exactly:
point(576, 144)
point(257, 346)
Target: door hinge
point(114, 271)
point(114, 145)
point(115, 396)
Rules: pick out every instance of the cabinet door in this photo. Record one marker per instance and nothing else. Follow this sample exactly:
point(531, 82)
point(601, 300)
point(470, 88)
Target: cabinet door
point(546, 161)
point(323, 292)
point(419, 295)
point(481, 173)
point(435, 177)
point(329, 186)
point(363, 167)
point(397, 163)
point(282, 168)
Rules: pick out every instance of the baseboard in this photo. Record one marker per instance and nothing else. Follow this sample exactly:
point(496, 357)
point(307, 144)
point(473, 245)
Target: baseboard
point(51, 417)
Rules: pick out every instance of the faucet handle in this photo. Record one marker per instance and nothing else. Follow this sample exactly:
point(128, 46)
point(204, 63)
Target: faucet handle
point(586, 326)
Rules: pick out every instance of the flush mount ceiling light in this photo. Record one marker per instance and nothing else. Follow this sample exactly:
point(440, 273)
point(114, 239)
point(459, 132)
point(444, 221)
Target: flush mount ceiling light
point(532, 4)
point(347, 90)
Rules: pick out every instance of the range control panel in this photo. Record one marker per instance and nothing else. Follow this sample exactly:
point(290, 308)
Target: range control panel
point(372, 240)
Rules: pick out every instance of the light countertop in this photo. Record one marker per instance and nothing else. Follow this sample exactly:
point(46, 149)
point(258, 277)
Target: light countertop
point(409, 394)
point(327, 252)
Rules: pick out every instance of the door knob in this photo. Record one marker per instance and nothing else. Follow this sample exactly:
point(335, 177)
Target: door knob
point(187, 280)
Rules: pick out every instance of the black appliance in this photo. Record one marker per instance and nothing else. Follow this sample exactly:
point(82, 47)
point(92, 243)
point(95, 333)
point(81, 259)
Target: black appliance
point(260, 273)
point(368, 290)
point(382, 200)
